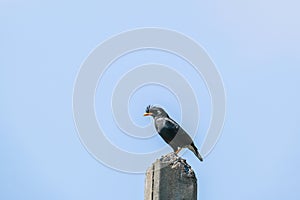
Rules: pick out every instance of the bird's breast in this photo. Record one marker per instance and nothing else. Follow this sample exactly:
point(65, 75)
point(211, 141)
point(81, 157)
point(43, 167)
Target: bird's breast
point(159, 124)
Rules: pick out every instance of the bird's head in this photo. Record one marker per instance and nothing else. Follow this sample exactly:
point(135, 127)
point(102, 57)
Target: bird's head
point(155, 111)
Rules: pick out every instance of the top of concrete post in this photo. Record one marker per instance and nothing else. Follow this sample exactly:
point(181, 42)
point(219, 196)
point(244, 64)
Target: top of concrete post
point(170, 177)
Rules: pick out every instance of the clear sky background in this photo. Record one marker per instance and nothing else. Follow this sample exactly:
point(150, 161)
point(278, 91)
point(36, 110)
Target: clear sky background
point(254, 44)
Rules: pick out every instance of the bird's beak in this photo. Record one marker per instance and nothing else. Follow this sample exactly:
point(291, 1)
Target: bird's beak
point(147, 114)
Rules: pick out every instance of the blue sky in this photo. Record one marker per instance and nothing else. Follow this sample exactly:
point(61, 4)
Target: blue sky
point(254, 44)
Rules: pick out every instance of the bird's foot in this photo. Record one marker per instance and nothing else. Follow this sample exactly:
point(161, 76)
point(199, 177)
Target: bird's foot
point(178, 150)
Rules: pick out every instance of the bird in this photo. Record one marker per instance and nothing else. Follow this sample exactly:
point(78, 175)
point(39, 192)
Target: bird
point(170, 131)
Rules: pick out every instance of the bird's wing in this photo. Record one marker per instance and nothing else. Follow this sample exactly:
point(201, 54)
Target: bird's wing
point(181, 139)
point(171, 124)
point(172, 133)
point(167, 128)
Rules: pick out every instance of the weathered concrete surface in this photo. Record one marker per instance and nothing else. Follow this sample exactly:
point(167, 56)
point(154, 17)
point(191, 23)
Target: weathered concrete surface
point(170, 177)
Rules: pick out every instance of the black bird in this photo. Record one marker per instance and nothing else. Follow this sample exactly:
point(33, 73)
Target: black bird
point(170, 131)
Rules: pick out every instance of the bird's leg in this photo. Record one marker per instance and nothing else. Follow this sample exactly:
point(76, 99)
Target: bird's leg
point(178, 150)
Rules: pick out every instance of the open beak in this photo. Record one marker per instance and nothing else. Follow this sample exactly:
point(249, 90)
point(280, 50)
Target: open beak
point(147, 114)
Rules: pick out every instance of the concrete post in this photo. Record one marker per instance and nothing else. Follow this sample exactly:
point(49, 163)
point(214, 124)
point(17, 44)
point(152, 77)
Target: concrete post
point(170, 178)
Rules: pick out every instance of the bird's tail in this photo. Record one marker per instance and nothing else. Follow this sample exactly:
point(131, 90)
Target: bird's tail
point(194, 149)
